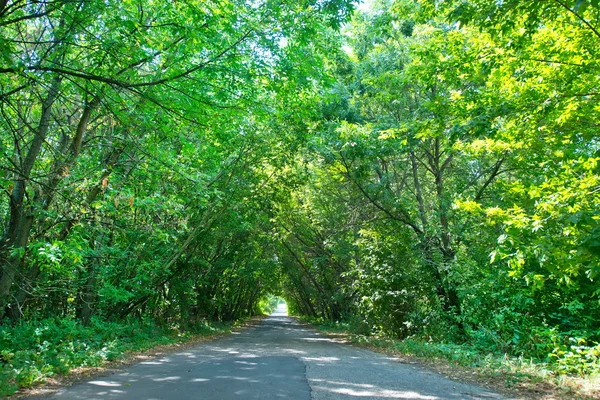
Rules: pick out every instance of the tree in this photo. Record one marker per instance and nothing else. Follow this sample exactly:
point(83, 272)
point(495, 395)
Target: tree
point(140, 104)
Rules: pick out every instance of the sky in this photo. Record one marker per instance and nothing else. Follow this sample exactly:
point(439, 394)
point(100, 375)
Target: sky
point(365, 5)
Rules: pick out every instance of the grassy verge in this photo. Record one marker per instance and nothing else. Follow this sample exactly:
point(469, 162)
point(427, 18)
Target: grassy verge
point(34, 353)
point(514, 376)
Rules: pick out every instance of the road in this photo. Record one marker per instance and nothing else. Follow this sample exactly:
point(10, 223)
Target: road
point(278, 359)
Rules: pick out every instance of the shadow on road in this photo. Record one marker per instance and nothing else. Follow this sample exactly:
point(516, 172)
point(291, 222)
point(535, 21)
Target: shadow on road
point(279, 359)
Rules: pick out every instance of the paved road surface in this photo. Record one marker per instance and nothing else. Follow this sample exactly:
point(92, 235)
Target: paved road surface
point(280, 359)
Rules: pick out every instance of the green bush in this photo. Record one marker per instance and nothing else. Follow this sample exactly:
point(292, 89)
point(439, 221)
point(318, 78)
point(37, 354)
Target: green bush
point(34, 351)
point(267, 304)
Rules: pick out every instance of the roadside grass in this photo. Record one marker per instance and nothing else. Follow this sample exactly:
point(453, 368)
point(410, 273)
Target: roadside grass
point(33, 353)
point(514, 376)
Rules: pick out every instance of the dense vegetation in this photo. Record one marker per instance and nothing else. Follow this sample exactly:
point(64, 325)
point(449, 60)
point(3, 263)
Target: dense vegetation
point(424, 169)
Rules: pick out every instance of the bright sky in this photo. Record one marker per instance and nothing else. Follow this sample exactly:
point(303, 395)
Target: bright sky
point(365, 5)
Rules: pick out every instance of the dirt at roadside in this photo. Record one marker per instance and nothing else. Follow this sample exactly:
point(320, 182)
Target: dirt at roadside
point(510, 385)
point(77, 375)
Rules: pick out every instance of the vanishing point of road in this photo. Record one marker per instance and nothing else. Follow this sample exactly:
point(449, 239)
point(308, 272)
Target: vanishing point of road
point(278, 359)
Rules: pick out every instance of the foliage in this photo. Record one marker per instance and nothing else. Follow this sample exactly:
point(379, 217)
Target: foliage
point(451, 188)
point(423, 169)
point(37, 350)
point(476, 358)
point(136, 140)
point(268, 304)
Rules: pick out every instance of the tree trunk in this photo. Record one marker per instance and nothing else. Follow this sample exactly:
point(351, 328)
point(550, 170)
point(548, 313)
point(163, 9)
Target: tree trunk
point(14, 242)
point(452, 298)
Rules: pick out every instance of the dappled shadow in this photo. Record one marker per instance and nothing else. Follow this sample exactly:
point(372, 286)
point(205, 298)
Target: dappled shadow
point(213, 378)
point(278, 359)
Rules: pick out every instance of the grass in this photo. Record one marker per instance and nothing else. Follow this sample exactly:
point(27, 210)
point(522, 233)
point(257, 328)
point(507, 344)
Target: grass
point(515, 376)
point(34, 352)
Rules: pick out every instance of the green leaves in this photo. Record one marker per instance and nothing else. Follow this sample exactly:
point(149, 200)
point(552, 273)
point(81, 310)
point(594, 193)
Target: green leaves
point(466, 153)
point(581, 5)
point(152, 199)
point(438, 161)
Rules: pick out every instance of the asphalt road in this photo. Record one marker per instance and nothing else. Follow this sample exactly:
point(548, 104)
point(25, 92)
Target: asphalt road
point(279, 359)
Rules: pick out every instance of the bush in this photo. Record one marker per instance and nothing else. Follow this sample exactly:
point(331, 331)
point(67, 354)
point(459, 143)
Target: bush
point(34, 351)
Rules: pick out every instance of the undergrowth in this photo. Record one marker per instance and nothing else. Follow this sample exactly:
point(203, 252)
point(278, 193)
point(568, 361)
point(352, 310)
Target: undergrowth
point(34, 351)
point(569, 366)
